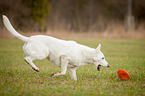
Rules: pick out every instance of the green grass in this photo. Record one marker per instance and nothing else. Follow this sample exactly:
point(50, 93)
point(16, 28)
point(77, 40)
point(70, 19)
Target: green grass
point(17, 77)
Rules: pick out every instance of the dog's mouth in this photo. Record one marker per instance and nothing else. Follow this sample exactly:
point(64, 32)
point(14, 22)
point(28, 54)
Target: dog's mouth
point(98, 67)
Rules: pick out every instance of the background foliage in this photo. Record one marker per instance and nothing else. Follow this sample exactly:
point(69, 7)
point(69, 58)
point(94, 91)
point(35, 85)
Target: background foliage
point(70, 15)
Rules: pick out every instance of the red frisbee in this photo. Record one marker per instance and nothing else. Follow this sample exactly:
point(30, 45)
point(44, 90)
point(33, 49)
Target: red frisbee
point(123, 74)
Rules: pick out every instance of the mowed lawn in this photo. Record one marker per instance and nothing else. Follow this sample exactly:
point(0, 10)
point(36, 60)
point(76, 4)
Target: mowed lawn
point(18, 78)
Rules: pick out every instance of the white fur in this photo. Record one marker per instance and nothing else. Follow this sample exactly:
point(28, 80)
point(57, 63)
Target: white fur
point(65, 54)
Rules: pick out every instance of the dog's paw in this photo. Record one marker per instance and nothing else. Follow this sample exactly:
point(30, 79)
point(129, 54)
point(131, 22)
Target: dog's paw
point(55, 74)
point(36, 69)
point(52, 75)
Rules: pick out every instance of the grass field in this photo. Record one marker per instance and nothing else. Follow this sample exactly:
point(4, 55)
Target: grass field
point(17, 77)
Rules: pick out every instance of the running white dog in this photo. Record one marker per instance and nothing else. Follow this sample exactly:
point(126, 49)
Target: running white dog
point(62, 53)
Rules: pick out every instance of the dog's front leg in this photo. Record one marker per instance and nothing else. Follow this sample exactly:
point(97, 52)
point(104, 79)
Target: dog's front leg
point(72, 73)
point(64, 63)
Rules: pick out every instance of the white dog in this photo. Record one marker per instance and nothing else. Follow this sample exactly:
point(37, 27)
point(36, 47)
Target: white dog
point(62, 53)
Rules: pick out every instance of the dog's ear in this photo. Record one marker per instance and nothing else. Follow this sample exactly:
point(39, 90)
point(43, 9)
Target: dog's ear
point(98, 48)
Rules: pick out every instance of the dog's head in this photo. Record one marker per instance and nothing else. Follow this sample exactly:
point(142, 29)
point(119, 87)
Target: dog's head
point(99, 58)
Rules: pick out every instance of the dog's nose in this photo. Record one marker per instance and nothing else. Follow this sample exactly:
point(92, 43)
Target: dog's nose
point(108, 65)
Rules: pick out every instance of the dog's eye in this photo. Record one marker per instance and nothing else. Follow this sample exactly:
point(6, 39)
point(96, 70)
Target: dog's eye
point(103, 58)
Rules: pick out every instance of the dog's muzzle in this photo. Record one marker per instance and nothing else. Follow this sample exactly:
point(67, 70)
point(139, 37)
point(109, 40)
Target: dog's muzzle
point(108, 66)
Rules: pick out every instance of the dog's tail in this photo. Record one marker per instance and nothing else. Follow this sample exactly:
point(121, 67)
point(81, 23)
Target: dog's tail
point(12, 30)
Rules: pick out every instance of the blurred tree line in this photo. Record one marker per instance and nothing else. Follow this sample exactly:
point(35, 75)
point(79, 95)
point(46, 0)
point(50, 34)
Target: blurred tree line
point(69, 15)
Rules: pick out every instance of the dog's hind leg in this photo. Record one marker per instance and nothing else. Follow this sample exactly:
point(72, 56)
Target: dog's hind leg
point(35, 50)
point(29, 60)
point(64, 62)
